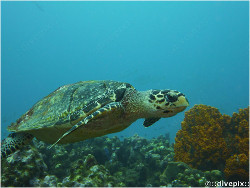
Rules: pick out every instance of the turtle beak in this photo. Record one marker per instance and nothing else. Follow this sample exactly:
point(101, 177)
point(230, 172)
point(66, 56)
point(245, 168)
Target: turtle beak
point(182, 103)
point(179, 102)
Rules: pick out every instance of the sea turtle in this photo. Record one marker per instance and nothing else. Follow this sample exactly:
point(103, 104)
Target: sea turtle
point(88, 109)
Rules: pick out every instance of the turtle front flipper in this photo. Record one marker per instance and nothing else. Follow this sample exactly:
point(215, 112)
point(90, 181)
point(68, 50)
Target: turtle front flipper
point(14, 142)
point(150, 121)
point(105, 109)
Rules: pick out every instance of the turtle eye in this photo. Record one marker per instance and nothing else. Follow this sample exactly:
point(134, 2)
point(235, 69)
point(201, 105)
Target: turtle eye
point(171, 97)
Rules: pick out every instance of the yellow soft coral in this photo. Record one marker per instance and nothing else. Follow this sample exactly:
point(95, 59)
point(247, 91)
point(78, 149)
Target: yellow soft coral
point(208, 138)
point(237, 168)
point(200, 142)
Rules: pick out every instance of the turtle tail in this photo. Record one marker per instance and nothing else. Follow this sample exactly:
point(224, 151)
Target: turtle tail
point(14, 142)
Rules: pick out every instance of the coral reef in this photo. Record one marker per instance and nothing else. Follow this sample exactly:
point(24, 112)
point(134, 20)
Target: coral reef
point(88, 173)
point(22, 166)
point(237, 132)
point(237, 168)
point(200, 142)
point(208, 139)
point(103, 161)
point(180, 174)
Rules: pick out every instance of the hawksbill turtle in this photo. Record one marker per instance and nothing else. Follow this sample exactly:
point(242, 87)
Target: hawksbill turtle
point(88, 109)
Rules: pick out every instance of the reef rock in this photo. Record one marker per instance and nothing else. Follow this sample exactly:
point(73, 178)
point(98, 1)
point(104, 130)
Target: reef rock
point(22, 166)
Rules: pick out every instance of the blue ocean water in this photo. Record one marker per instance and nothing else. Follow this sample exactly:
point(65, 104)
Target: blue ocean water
point(198, 48)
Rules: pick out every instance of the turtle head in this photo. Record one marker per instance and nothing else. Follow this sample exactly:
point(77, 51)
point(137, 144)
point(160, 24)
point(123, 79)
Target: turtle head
point(154, 104)
point(162, 104)
point(167, 103)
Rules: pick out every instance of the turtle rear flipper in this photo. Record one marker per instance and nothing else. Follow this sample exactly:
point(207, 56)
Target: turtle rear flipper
point(14, 142)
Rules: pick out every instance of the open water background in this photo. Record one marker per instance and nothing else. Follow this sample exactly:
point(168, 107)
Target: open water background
point(198, 48)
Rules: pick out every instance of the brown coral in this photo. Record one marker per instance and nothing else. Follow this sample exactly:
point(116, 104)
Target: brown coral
point(208, 138)
point(237, 168)
point(200, 142)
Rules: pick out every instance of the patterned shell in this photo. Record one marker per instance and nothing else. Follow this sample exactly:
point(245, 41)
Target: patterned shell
point(69, 104)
